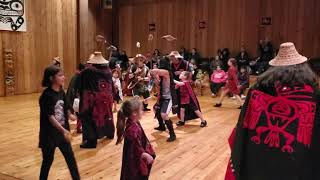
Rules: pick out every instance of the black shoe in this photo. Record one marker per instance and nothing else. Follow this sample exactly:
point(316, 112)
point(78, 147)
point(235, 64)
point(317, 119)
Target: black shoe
point(218, 105)
point(88, 145)
point(240, 107)
point(180, 123)
point(203, 123)
point(160, 128)
point(171, 131)
point(172, 138)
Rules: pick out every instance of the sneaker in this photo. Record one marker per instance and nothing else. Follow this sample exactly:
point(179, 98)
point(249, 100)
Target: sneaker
point(233, 98)
point(218, 105)
point(213, 95)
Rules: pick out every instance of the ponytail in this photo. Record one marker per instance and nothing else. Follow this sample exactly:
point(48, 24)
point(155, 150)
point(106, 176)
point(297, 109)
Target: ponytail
point(126, 110)
point(121, 122)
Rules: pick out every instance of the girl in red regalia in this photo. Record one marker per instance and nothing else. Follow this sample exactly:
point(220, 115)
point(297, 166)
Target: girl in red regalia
point(138, 154)
point(232, 84)
point(188, 99)
point(277, 135)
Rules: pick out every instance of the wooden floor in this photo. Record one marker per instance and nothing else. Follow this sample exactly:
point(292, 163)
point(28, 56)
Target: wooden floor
point(198, 153)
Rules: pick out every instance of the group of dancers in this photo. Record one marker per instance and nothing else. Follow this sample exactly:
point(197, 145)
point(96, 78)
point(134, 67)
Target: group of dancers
point(98, 90)
point(276, 131)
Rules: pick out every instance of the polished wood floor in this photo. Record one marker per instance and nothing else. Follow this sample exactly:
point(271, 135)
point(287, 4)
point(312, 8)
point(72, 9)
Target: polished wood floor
point(198, 153)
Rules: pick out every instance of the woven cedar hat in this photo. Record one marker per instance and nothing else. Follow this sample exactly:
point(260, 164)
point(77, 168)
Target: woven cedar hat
point(287, 56)
point(176, 54)
point(139, 57)
point(97, 59)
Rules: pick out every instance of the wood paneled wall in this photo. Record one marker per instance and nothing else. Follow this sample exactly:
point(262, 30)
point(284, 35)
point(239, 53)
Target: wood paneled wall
point(51, 31)
point(93, 20)
point(230, 23)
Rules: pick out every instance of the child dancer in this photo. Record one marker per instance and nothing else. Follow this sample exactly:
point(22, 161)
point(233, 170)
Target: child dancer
point(138, 154)
point(117, 83)
point(188, 98)
point(218, 80)
point(54, 125)
point(167, 98)
point(243, 81)
point(232, 83)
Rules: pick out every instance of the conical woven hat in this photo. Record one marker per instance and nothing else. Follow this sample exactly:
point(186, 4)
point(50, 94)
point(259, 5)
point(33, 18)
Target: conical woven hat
point(97, 59)
point(176, 54)
point(287, 56)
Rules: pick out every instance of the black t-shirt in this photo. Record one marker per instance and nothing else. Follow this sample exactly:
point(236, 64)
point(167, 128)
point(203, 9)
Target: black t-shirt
point(52, 103)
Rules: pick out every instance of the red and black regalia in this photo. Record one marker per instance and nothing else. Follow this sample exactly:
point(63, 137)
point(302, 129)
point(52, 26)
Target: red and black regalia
point(135, 144)
point(96, 91)
point(188, 98)
point(182, 66)
point(277, 136)
point(232, 84)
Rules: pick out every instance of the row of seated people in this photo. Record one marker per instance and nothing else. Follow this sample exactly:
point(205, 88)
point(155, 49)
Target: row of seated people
point(254, 65)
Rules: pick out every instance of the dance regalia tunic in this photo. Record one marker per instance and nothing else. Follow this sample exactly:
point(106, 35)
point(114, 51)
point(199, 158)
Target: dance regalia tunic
point(182, 66)
point(135, 144)
point(96, 99)
point(232, 82)
point(188, 97)
point(277, 136)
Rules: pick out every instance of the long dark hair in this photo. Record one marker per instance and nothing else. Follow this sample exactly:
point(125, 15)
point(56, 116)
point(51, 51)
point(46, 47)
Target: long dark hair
point(126, 110)
point(315, 65)
point(156, 51)
point(48, 74)
point(164, 63)
point(288, 75)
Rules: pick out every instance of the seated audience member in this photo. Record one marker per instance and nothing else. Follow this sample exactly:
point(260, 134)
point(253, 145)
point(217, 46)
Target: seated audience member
point(149, 62)
point(242, 58)
point(218, 80)
point(219, 54)
point(214, 63)
point(184, 53)
point(225, 58)
point(124, 60)
point(156, 57)
point(195, 56)
point(244, 80)
point(266, 54)
point(114, 58)
point(194, 69)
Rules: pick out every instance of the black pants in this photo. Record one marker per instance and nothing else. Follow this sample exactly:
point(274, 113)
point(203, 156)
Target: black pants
point(48, 156)
point(243, 88)
point(215, 87)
